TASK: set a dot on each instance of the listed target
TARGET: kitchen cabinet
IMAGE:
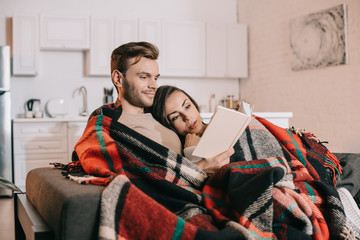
(39, 142)
(64, 32)
(102, 41)
(227, 50)
(107, 33)
(150, 30)
(126, 30)
(280, 119)
(105, 37)
(74, 132)
(187, 48)
(183, 49)
(25, 45)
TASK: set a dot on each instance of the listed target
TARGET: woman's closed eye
(172, 119)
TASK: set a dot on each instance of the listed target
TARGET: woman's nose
(186, 117)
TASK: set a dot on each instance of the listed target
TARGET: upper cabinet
(227, 50)
(237, 49)
(183, 49)
(25, 45)
(102, 43)
(64, 33)
(126, 30)
(187, 48)
(150, 30)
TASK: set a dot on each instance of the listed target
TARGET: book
(222, 132)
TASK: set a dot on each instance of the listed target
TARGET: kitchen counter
(278, 118)
(44, 120)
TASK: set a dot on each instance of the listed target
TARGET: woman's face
(182, 114)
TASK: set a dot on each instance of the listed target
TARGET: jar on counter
(230, 101)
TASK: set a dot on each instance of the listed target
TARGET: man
(134, 72)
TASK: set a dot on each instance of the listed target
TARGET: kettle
(33, 108)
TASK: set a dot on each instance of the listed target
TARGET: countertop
(60, 119)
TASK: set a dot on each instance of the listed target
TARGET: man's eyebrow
(147, 73)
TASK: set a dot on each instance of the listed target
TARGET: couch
(57, 208)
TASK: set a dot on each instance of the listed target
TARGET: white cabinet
(237, 50)
(25, 45)
(280, 119)
(183, 49)
(74, 132)
(64, 32)
(126, 30)
(37, 145)
(105, 37)
(39, 142)
(187, 48)
(102, 44)
(150, 30)
(227, 50)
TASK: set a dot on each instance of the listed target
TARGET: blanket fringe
(331, 160)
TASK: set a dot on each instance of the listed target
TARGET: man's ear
(117, 78)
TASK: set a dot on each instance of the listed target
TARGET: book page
(224, 129)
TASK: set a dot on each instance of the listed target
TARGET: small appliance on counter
(33, 108)
(56, 107)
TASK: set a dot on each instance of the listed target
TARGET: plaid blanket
(286, 191)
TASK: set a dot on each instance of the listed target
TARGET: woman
(177, 110)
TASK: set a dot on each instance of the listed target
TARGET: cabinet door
(24, 163)
(36, 130)
(227, 50)
(64, 33)
(237, 50)
(216, 50)
(126, 30)
(75, 131)
(150, 31)
(183, 48)
(25, 45)
(101, 47)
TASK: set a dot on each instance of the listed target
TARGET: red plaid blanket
(153, 193)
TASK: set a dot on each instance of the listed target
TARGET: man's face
(140, 83)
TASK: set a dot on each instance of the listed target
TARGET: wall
(61, 73)
(324, 101)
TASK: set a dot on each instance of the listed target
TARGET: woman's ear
(117, 78)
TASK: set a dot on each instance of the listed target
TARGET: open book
(224, 129)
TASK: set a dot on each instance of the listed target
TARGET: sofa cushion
(70, 209)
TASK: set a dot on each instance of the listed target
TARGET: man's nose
(153, 83)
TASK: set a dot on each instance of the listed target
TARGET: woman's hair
(120, 57)
(158, 107)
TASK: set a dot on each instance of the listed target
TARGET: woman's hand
(191, 139)
(210, 165)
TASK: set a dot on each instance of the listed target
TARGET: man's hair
(158, 107)
(120, 56)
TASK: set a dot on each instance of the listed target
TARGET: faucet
(84, 110)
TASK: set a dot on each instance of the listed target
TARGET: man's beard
(132, 96)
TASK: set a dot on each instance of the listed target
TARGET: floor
(7, 229)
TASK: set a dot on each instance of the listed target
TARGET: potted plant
(9, 185)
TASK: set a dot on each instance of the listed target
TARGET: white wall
(61, 73)
(325, 101)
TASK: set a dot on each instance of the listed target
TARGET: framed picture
(319, 39)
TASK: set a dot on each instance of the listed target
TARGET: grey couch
(68, 210)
